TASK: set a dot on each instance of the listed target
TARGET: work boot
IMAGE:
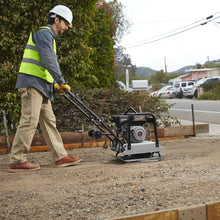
(67, 161)
(26, 166)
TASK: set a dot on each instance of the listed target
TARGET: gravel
(101, 187)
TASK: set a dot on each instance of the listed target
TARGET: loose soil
(101, 187)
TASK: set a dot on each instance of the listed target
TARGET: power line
(217, 24)
(130, 45)
(168, 36)
(177, 31)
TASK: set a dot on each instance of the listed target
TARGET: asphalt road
(204, 111)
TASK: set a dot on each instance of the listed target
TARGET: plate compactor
(129, 138)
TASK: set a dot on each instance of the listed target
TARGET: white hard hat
(63, 12)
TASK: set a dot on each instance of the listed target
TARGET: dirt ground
(101, 187)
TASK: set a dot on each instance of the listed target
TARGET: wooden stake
(193, 120)
(6, 130)
(83, 135)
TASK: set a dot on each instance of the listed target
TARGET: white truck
(186, 89)
(139, 85)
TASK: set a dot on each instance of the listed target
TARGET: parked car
(190, 90)
(121, 85)
(178, 91)
(186, 89)
(206, 80)
(165, 92)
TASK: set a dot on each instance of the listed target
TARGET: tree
(110, 25)
(102, 42)
(172, 76)
(211, 64)
(121, 23)
(198, 66)
(161, 77)
(123, 62)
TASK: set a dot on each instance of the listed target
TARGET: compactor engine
(130, 128)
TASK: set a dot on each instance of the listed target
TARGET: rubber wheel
(196, 94)
(181, 95)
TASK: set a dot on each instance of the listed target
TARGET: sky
(152, 18)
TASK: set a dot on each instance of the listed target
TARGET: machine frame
(132, 152)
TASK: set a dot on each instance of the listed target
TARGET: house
(174, 80)
(197, 74)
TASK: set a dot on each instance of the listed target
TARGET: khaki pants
(35, 108)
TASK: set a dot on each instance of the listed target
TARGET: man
(38, 72)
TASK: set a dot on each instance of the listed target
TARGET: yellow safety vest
(31, 63)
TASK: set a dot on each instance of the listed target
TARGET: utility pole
(165, 65)
(208, 59)
(127, 79)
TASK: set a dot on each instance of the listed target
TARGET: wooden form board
(213, 211)
(195, 213)
(164, 215)
(77, 139)
(209, 211)
(186, 130)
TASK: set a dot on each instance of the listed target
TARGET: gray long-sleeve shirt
(43, 39)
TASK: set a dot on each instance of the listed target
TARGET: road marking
(188, 110)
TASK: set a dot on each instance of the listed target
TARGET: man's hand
(56, 87)
(62, 88)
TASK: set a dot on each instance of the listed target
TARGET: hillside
(145, 72)
(182, 70)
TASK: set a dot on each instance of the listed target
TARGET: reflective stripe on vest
(31, 63)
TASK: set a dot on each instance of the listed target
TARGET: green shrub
(208, 96)
(106, 102)
(209, 86)
(211, 91)
(216, 90)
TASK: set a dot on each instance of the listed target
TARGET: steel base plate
(147, 157)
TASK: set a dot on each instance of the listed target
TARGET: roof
(200, 70)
